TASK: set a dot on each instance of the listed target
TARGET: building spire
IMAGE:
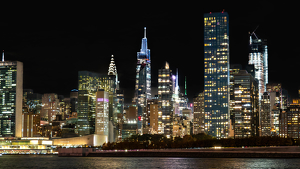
(3, 56)
(112, 70)
(144, 32)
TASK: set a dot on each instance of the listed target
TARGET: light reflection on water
(51, 161)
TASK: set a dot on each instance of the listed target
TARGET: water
(52, 161)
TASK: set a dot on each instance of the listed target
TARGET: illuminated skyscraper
(245, 110)
(143, 81)
(258, 56)
(11, 95)
(199, 113)
(165, 101)
(216, 74)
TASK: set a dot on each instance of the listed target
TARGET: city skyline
(54, 54)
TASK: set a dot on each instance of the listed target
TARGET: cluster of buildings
(236, 101)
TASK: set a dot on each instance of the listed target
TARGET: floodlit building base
(88, 140)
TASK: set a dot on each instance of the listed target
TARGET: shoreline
(257, 152)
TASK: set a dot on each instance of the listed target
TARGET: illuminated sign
(101, 100)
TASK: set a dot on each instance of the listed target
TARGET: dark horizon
(54, 48)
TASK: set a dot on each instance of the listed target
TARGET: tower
(165, 101)
(143, 81)
(11, 94)
(258, 56)
(216, 74)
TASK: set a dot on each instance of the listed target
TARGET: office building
(153, 118)
(216, 74)
(50, 106)
(143, 82)
(165, 101)
(88, 84)
(11, 95)
(289, 126)
(258, 56)
(265, 115)
(246, 107)
(199, 115)
(101, 114)
(31, 123)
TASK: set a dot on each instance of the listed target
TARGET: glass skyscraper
(258, 56)
(143, 81)
(165, 101)
(216, 74)
(88, 84)
(11, 95)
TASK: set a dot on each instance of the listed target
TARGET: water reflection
(38, 161)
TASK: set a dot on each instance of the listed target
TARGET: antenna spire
(144, 32)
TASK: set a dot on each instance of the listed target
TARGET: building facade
(258, 56)
(265, 115)
(246, 107)
(165, 101)
(199, 115)
(50, 106)
(88, 84)
(11, 95)
(143, 81)
(216, 74)
(289, 121)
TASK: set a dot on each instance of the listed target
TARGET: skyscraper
(11, 95)
(143, 81)
(165, 101)
(258, 56)
(88, 84)
(245, 110)
(216, 74)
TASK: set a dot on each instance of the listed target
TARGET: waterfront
(53, 161)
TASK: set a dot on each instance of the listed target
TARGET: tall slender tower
(143, 81)
(216, 74)
(258, 56)
(165, 101)
(11, 94)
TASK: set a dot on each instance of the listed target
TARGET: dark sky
(55, 41)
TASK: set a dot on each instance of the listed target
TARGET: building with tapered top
(165, 101)
(143, 82)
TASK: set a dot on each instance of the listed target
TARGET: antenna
(144, 32)
(254, 32)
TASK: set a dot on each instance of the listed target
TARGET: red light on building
(140, 118)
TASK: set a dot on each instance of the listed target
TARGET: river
(53, 161)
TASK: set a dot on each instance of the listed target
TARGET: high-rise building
(265, 115)
(165, 101)
(143, 82)
(289, 126)
(216, 74)
(153, 117)
(101, 114)
(11, 95)
(258, 56)
(88, 84)
(199, 115)
(50, 106)
(246, 107)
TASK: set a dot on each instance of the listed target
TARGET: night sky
(55, 42)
